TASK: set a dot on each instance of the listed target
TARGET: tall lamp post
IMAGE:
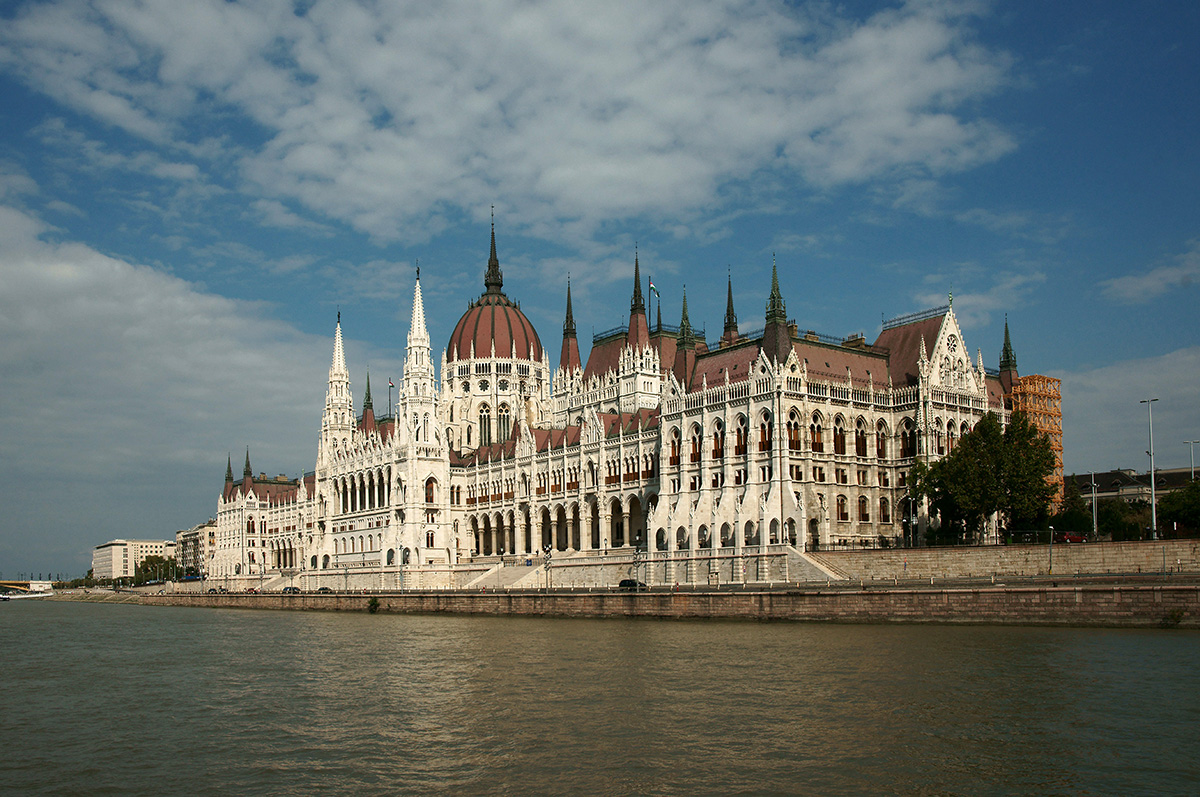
(1191, 447)
(1095, 527)
(1153, 507)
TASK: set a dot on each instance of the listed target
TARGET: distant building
(1128, 484)
(194, 547)
(119, 558)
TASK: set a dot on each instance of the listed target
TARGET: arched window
(949, 436)
(503, 422)
(430, 490)
(815, 435)
(764, 433)
(908, 439)
(843, 513)
(885, 513)
(695, 444)
(485, 426)
(881, 441)
(864, 510)
(839, 437)
(793, 431)
(674, 456)
(740, 436)
(860, 438)
(719, 440)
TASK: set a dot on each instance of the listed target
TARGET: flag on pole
(654, 290)
(390, 383)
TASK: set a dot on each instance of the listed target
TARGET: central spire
(493, 280)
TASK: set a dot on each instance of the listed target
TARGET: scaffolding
(1040, 398)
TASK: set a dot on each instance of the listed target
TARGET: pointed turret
(777, 339)
(419, 389)
(730, 335)
(685, 353)
(569, 358)
(776, 311)
(1008, 363)
(639, 329)
(337, 422)
(229, 469)
(246, 471)
(368, 416)
(637, 304)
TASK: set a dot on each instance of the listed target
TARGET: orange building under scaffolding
(1040, 397)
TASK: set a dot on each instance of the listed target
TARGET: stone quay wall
(1120, 605)
(1096, 558)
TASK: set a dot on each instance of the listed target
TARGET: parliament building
(663, 458)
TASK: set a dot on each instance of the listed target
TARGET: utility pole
(1191, 447)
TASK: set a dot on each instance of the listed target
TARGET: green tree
(991, 470)
(1179, 512)
(1075, 514)
(1026, 461)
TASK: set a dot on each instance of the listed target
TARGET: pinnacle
(776, 310)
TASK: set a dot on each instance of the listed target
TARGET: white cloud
(1184, 272)
(125, 385)
(391, 116)
(1105, 426)
(974, 309)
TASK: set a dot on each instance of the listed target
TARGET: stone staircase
(806, 567)
(503, 577)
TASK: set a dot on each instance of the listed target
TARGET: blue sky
(189, 193)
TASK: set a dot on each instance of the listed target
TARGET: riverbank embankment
(1096, 605)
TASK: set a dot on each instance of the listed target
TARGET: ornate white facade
(694, 463)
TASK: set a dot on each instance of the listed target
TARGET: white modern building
(119, 558)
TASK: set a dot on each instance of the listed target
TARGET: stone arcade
(663, 455)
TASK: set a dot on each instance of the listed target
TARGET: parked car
(1069, 536)
(324, 589)
(291, 590)
(212, 589)
(631, 585)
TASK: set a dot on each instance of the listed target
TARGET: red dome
(494, 319)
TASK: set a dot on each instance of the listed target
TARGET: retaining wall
(1171, 556)
(1085, 605)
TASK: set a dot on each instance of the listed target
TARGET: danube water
(121, 699)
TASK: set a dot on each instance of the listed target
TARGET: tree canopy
(991, 470)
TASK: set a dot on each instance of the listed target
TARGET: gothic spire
(246, 472)
(687, 338)
(229, 468)
(339, 355)
(418, 334)
(493, 280)
(638, 305)
(776, 311)
(1008, 359)
(569, 323)
(730, 316)
(569, 357)
(367, 405)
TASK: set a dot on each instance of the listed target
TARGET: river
(134, 700)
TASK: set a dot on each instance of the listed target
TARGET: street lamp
(1191, 447)
(1153, 508)
(1095, 527)
(1051, 571)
